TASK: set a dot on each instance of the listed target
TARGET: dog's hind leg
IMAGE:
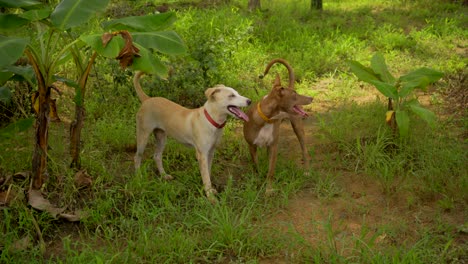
(298, 127)
(142, 140)
(161, 137)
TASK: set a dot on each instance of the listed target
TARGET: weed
(326, 187)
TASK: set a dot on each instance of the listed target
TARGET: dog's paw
(212, 199)
(211, 195)
(211, 191)
(168, 177)
(269, 191)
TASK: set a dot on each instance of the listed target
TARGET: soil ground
(362, 211)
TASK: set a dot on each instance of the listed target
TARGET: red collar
(212, 121)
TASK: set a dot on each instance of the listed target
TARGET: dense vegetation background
(369, 197)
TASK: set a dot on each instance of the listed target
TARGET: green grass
(411, 203)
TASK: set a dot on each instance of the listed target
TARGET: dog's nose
(249, 101)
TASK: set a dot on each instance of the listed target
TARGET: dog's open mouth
(238, 113)
(298, 109)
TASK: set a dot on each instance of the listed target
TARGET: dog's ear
(281, 91)
(210, 93)
(277, 80)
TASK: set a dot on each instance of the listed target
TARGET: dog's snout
(249, 101)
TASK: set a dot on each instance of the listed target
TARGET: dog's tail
(286, 64)
(136, 83)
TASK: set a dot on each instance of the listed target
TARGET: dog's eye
(232, 96)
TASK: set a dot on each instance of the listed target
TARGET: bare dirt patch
(361, 212)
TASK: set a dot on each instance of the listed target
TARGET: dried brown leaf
(128, 52)
(53, 114)
(22, 175)
(106, 37)
(82, 179)
(4, 198)
(38, 202)
(35, 101)
(73, 217)
(53, 111)
(21, 245)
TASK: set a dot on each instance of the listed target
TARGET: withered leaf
(22, 175)
(106, 37)
(128, 52)
(35, 101)
(53, 114)
(11, 196)
(38, 202)
(82, 179)
(73, 217)
(21, 245)
(4, 198)
(53, 111)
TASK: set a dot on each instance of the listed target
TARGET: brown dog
(262, 128)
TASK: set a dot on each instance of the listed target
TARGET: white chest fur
(265, 136)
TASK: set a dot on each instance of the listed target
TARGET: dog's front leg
(210, 158)
(272, 154)
(298, 127)
(253, 155)
(204, 163)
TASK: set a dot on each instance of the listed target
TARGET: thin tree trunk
(254, 5)
(75, 137)
(39, 159)
(77, 125)
(316, 4)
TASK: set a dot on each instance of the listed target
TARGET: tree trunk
(39, 159)
(316, 4)
(75, 136)
(77, 125)
(254, 5)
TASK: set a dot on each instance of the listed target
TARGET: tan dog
(262, 128)
(200, 128)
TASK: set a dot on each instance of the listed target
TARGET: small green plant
(400, 92)
(446, 203)
(326, 187)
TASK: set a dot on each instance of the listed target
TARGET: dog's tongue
(299, 110)
(238, 113)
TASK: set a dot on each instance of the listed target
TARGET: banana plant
(44, 51)
(402, 100)
(132, 41)
(51, 44)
